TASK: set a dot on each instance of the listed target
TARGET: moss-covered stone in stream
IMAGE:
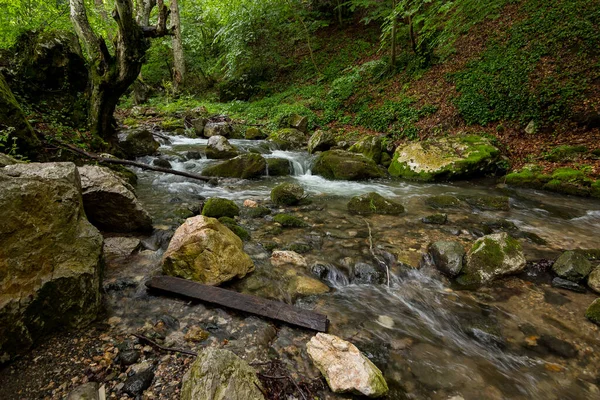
(572, 265)
(562, 180)
(175, 125)
(370, 147)
(289, 139)
(446, 159)
(373, 203)
(488, 203)
(289, 221)
(245, 166)
(278, 166)
(343, 165)
(435, 219)
(593, 312)
(254, 133)
(529, 176)
(287, 194)
(216, 208)
(257, 212)
(235, 228)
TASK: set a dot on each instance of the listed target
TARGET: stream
(431, 340)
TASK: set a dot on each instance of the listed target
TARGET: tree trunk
(411, 32)
(178, 58)
(393, 39)
(111, 75)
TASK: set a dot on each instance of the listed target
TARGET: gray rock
(343, 165)
(435, 219)
(447, 257)
(219, 374)
(139, 381)
(218, 128)
(198, 124)
(6, 160)
(87, 391)
(572, 265)
(294, 121)
(288, 139)
(287, 194)
(278, 167)
(593, 280)
(121, 246)
(567, 284)
(366, 274)
(219, 148)
(321, 141)
(162, 163)
(245, 166)
(370, 147)
(110, 202)
(137, 142)
(51, 255)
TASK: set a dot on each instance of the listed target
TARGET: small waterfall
(301, 161)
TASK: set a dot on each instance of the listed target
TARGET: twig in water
(173, 350)
(380, 261)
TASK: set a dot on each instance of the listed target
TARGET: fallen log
(105, 160)
(242, 302)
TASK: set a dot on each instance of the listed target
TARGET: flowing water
(430, 340)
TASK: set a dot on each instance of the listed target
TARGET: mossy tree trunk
(112, 74)
(178, 56)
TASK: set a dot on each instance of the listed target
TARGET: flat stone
(567, 284)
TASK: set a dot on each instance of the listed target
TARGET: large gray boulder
(50, 255)
(219, 148)
(218, 129)
(219, 374)
(245, 166)
(344, 367)
(572, 265)
(138, 142)
(110, 202)
(321, 141)
(370, 147)
(447, 256)
(289, 139)
(343, 165)
(491, 257)
(204, 250)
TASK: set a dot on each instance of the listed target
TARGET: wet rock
(554, 298)
(299, 247)
(572, 265)
(488, 203)
(138, 142)
(593, 312)
(321, 141)
(295, 121)
(490, 257)
(217, 129)
(245, 166)
(557, 346)
(344, 367)
(435, 219)
(443, 202)
(110, 202)
(162, 163)
(278, 167)
(216, 207)
(288, 139)
(139, 381)
(567, 284)
(258, 212)
(486, 338)
(193, 155)
(343, 165)
(196, 334)
(447, 257)
(364, 273)
(287, 194)
(373, 203)
(50, 255)
(370, 147)
(121, 246)
(234, 227)
(445, 159)
(129, 357)
(204, 250)
(286, 257)
(87, 391)
(219, 374)
(254, 133)
(301, 285)
(289, 221)
(219, 148)
(593, 280)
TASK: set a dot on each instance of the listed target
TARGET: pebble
(385, 321)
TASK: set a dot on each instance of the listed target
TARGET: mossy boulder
(258, 212)
(289, 221)
(50, 255)
(562, 180)
(288, 139)
(204, 250)
(435, 219)
(138, 142)
(245, 166)
(14, 122)
(593, 280)
(287, 194)
(448, 257)
(593, 312)
(321, 141)
(220, 128)
(373, 203)
(175, 125)
(294, 121)
(219, 148)
(235, 228)
(446, 159)
(343, 165)
(566, 153)
(278, 166)
(492, 256)
(254, 133)
(219, 374)
(572, 265)
(488, 203)
(370, 147)
(216, 207)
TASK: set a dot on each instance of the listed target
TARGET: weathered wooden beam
(241, 302)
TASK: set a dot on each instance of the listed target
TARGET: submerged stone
(567, 284)
(343, 165)
(435, 219)
(373, 203)
(445, 159)
(447, 257)
(443, 201)
(488, 203)
(287, 194)
(289, 221)
(572, 265)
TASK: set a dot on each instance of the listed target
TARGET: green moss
(172, 125)
(258, 212)
(373, 203)
(565, 153)
(370, 147)
(289, 221)
(300, 248)
(528, 177)
(436, 219)
(593, 312)
(288, 139)
(245, 166)
(278, 167)
(216, 208)
(254, 134)
(596, 189)
(343, 165)
(287, 194)
(443, 201)
(488, 203)
(235, 228)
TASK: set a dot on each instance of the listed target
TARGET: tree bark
(393, 39)
(111, 75)
(179, 71)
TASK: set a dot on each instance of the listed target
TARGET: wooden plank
(241, 302)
